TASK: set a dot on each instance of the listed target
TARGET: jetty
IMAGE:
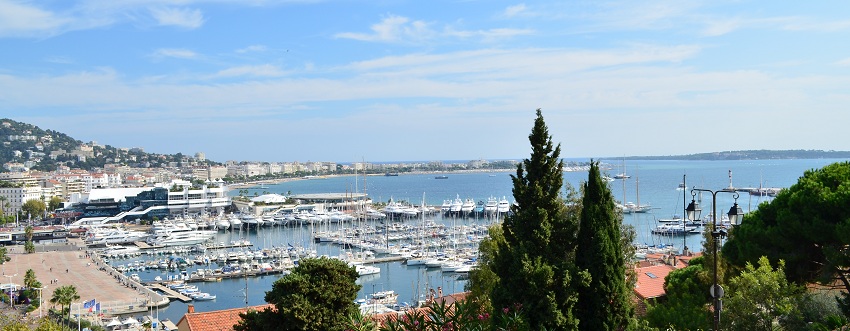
(171, 294)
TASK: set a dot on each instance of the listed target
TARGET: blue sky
(429, 80)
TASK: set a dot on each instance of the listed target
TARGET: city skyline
(449, 80)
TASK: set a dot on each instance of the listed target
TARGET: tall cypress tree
(534, 262)
(604, 304)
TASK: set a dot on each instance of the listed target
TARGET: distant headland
(749, 155)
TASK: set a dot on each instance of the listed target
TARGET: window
(651, 275)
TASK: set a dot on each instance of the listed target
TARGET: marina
(416, 246)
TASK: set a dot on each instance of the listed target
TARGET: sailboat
(638, 208)
(623, 174)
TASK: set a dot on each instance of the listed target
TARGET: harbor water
(655, 183)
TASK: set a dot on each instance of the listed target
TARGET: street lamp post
(40, 300)
(11, 290)
(735, 214)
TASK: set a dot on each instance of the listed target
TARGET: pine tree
(604, 304)
(534, 262)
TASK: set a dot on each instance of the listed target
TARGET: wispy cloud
(843, 62)
(24, 20)
(252, 49)
(58, 59)
(716, 28)
(265, 70)
(182, 17)
(514, 10)
(393, 29)
(179, 53)
(489, 35)
(399, 29)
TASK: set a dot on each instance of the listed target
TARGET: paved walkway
(57, 268)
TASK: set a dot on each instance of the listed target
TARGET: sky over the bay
(347, 81)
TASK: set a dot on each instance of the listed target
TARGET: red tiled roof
(217, 320)
(650, 280)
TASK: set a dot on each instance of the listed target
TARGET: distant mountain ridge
(30, 147)
(762, 154)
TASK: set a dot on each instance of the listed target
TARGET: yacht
(222, 224)
(447, 206)
(491, 206)
(504, 206)
(182, 238)
(251, 221)
(364, 270)
(457, 204)
(114, 236)
(467, 207)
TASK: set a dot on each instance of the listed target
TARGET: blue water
(658, 182)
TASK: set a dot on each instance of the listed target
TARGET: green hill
(26, 145)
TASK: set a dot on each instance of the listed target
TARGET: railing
(154, 298)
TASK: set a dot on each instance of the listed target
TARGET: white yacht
(182, 238)
(222, 224)
(447, 206)
(504, 206)
(468, 206)
(491, 206)
(114, 236)
(457, 204)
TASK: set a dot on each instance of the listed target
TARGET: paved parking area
(70, 267)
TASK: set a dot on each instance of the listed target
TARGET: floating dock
(171, 294)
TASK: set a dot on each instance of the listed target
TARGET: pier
(392, 258)
(171, 294)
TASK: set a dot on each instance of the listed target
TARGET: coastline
(255, 183)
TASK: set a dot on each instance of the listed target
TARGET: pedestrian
(66, 271)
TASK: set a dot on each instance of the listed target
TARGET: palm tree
(3, 205)
(64, 296)
(30, 280)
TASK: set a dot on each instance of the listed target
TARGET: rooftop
(216, 320)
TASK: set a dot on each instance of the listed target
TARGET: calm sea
(652, 182)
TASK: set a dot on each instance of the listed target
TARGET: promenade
(68, 264)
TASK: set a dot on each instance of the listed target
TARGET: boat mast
(684, 216)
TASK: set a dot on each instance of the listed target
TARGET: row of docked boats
(191, 291)
(469, 207)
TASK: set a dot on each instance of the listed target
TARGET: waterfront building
(178, 197)
(40, 235)
(17, 196)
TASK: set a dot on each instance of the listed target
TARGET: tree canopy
(759, 298)
(806, 225)
(64, 296)
(534, 262)
(317, 295)
(34, 208)
(604, 303)
(686, 300)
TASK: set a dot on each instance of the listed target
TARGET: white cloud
(59, 59)
(182, 17)
(404, 30)
(252, 49)
(174, 53)
(265, 70)
(393, 29)
(716, 28)
(489, 35)
(23, 20)
(843, 62)
(515, 10)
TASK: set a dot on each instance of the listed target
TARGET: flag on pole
(97, 306)
(89, 304)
